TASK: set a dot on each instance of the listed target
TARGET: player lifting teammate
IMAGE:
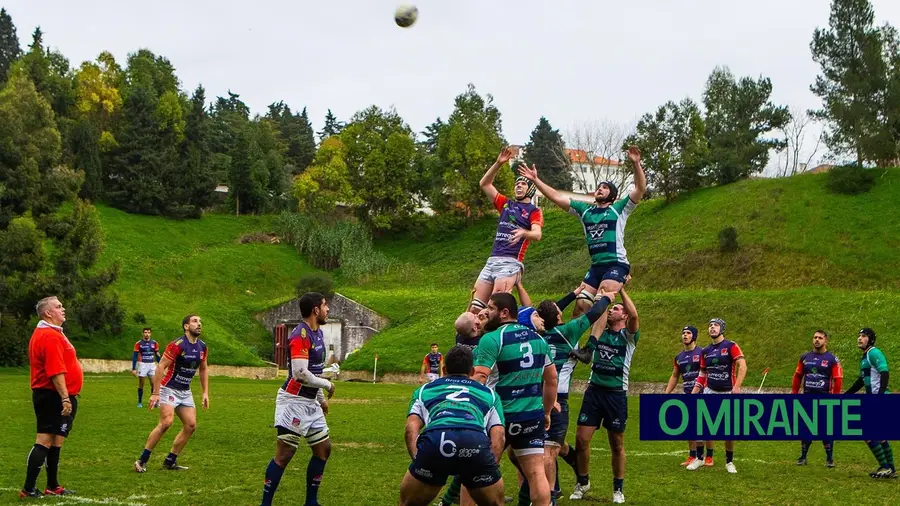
(604, 228)
(300, 406)
(147, 350)
(463, 436)
(171, 392)
(520, 223)
(527, 383)
(874, 376)
(687, 366)
(818, 372)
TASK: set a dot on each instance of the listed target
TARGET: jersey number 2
(528, 359)
(455, 396)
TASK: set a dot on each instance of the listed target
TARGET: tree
(326, 183)
(797, 157)
(52, 77)
(9, 44)
(594, 150)
(546, 149)
(194, 184)
(332, 126)
(738, 113)
(466, 146)
(272, 150)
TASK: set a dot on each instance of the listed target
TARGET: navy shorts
(559, 423)
(526, 437)
(455, 452)
(604, 408)
(615, 271)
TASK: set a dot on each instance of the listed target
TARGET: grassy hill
(808, 259)
(172, 268)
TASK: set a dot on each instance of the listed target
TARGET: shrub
(139, 318)
(13, 342)
(849, 180)
(316, 282)
(728, 240)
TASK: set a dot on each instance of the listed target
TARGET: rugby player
(722, 371)
(147, 350)
(432, 365)
(604, 228)
(818, 372)
(520, 223)
(687, 367)
(184, 357)
(454, 427)
(300, 405)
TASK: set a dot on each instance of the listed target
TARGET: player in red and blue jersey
(432, 365)
(520, 223)
(687, 367)
(722, 371)
(184, 357)
(147, 351)
(300, 405)
(818, 372)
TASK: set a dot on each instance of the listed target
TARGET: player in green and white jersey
(874, 376)
(526, 384)
(604, 229)
(454, 427)
(605, 402)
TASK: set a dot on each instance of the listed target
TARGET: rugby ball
(406, 15)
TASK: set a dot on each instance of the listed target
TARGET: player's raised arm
(640, 178)
(487, 181)
(544, 188)
(633, 322)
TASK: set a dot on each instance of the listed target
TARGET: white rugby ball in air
(406, 15)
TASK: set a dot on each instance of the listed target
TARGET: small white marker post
(765, 373)
(375, 370)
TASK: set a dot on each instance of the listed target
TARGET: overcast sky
(571, 61)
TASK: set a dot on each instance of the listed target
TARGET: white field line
(670, 454)
(128, 501)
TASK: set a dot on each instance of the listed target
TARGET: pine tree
(332, 126)
(546, 149)
(302, 149)
(9, 44)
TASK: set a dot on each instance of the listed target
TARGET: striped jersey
(305, 343)
(611, 359)
(186, 358)
(719, 362)
(561, 340)
(688, 364)
(514, 215)
(604, 229)
(456, 402)
(872, 364)
(147, 349)
(519, 355)
(821, 373)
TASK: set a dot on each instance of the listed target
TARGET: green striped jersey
(611, 359)
(604, 229)
(872, 364)
(562, 339)
(456, 402)
(519, 356)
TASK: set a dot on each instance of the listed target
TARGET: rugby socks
(35, 461)
(140, 395)
(878, 452)
(829, 449)
(569, 458)
(584, 480)
(888, 455)
(804, 448)
(729, 456)
(693, 454)
(53, 467)
(618, 483)
(524, 494)
(170, 459)
(451, 496)
(313, 479)
(273, 478)
(145, 456)
(709, 452)
(556, 491)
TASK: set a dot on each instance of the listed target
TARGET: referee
(56, 379)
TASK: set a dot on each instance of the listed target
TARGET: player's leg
(491, 495)
(140, 389)
(188, 416)
(532, 466)
(615, 407)
(166, 417)
(804, 449)
(52, 462)
(829, 452)
(452, 494)
(729, 457)
(483, 290)
(585, 299)
(617, 449)
(315, 430)
(417, 493)
(551, 451)
(285, 447)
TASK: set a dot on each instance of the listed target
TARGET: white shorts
(176, 398)
(302, 417)
(430, 376)
(144, 370)
(500, 267)
(707, 390)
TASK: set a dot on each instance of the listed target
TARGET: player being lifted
(300, 405)
(718, 376)
(520, 223)
(874, 376)
(526, 384)
(687, 367)
(604, 228)
(462, 437)
(818, 372)
(432, 365)
(147, 350)
(171, 392)
(605, 399)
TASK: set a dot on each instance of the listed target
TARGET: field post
(375, 370)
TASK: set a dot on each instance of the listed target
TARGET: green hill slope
(808, 259)
(172, 268)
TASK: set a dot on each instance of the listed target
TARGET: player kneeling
(463, 436)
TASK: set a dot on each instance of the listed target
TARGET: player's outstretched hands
(517, 235)
(528, 172)
(581, 354)
(205, 401)
(331, 390)
(506, 155)
(634, 154)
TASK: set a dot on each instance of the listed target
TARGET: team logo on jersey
(295, 421)
(724, 351)
(303, 332)
(824, 363)
(687, 368)
(715, 361)
(696, 358)
(582, 417)
(814, 370)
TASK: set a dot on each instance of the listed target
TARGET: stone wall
(92, 365)
(358, 323)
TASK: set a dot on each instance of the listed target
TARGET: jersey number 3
(528, 357)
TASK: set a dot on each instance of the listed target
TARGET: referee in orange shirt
(56, 379)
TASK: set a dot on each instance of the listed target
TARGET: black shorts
(597, 273)
(454, 452)
(559, 423)
(526, 437)
(604, 408)
(48, 410)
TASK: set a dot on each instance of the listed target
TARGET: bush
(316, 282)
(849, 180)
(728, 240)
(139, 318)
(13, 342)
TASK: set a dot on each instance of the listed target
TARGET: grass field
(234, 442)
